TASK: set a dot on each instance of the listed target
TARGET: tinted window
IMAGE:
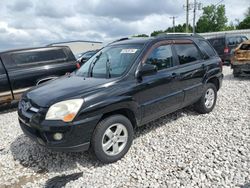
(38, 56)
(245, 47)
(161, 57)
(208, 49)
(234, 40)
(187, 53)
(217, 42)
(244, 38)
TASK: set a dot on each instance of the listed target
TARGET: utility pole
(197, 6)
(187, 14)
(194, 16)
(173, 17)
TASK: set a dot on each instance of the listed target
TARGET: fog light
(58, 136)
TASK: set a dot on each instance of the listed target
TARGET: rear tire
(208, 99)
(236, 73)
(112, 138)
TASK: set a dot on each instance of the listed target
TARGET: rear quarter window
(207, 48)
(22, 58)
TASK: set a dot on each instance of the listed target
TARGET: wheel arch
(215, 81)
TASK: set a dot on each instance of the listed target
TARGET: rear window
(208, 49)
(38, 56)
(245, 47)
(244, 38)
(234, 40)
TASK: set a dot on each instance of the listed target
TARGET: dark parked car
(24, 68)
(225, 44)
(125, 85)
(86, 56)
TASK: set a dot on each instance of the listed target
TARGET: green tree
(213, 19)
(140, 35)
(155, 33)
(245, 24)
(179, 28)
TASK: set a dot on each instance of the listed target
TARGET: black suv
(125, 85)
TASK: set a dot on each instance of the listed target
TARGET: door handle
(203, 66)
(174, 75)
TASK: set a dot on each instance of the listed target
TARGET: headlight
(65, 110)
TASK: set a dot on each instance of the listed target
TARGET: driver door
(162, 92)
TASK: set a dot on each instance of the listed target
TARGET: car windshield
(110, 62)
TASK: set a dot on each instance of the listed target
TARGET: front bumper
(241, 69)
(76, 135)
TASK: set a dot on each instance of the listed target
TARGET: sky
(28, 23)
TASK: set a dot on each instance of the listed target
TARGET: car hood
(64, 88)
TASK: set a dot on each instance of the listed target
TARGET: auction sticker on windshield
(128, 51)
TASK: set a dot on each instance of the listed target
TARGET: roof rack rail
(177, 34)
(118, 40)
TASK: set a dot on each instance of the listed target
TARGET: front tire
(208, 100)
(112, 138)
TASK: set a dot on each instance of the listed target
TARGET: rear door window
(22, 58)
(187, 53)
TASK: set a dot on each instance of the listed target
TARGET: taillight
(226, 50)
(78, 65)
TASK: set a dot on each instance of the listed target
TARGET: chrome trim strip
(4, 94)
(18, 91)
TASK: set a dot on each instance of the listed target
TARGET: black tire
(200, 106)
(236, 73)
(98, 136)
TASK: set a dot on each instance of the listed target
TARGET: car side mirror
(146, 70)
(83, 60)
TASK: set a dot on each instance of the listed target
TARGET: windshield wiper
(93, 64)
(108, 68)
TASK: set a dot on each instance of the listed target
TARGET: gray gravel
(183, 149)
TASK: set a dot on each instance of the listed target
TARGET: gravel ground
(183, 149)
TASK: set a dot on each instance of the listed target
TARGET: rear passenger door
(191, 70)
(160, 93)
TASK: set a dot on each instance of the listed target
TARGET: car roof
(225, 36)
(144, 40)
(32, 49)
